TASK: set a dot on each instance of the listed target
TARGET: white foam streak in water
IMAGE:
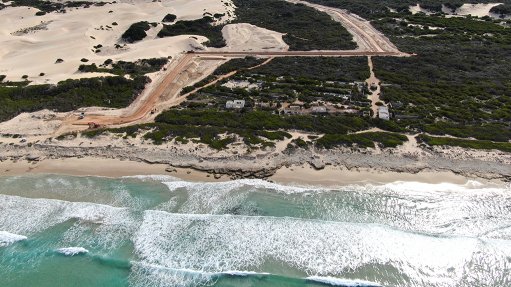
(72, 251)
(218, 243)
(149, 275)
(209, 197)
(7, 238)
(153, 177)
(398, 186)
(144, 274)
(467, 209)
(342, 282)
(243, 273)
(28, 216)
(235, 184)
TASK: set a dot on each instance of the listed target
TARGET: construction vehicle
(93, 125)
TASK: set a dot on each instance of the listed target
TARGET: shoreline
(115, 156)
(296, 175)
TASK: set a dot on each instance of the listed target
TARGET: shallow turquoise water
(162, 231)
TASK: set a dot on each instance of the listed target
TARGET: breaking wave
(404, 233)
(215, 243)
(72, 251)
(7, 238)
(342, 282)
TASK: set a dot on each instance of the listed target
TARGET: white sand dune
(32, 44)
(417, 8)
(479, 10)
(247, 37)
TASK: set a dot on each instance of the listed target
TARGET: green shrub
(136, 32)
(474, 144)
(203, 27)
(386, 140)
(169, 18)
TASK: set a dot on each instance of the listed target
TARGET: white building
(383, 113)
(236, 104)
(319, 110)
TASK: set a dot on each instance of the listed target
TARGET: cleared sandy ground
(479, 10)
(248, 37)
(32, 44)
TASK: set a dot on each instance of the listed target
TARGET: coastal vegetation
(115, 92)
(304, 27)
(372, 9)
(458, 83)
(169, 18)
(203, 27)
(121, 68)
(503, 10)
(465, 143)
(136, 32)
(368, 140)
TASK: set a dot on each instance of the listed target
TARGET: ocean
(151, 231)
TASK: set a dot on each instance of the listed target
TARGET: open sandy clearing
(478, 10)
(32, 44)
(248, 37)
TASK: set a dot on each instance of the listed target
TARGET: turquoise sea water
(161, 231)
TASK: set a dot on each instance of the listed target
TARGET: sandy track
(364, 34)
(141, 107)
(166, 91)
(345, 53)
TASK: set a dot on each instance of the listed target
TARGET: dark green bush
(136, 32)
(169, 18)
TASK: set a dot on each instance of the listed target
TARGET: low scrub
(474, 144)
(368, 140)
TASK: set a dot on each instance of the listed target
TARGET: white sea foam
(72, 251)
(211, 243)
(235, 184)
(153, 177)
(243, 273)
(397, 186)
(342, 282)
(415, 187)
(151, 275)
(144, 274)
(28, 216)
(441, 209)
(7, 238)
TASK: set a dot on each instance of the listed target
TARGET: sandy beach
(300, 175)
(89, 166)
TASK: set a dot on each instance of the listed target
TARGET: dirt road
(364, 34)
(348, 53)
(143, 105)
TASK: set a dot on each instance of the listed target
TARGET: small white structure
(318, 110)
(383, 113)
(236, 104)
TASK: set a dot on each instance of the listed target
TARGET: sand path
(364, 34)
(374, 86)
